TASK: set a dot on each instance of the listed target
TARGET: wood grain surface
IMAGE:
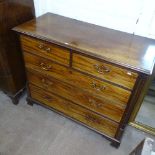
(77, 79)
(104, 70)
(77, 112)
(51, 51)
(107, 108)
(121, 48)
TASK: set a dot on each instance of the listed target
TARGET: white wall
(116, 14)
(146, 25)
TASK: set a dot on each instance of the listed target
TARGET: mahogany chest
(88, 73)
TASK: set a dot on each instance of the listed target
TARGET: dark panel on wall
(12, 74)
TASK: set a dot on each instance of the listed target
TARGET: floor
(26, 130)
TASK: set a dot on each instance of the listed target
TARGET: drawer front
(77, 112)
(105, 71)
(92, 85)
(102, 106)
(47, 50)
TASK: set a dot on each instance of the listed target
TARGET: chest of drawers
(88, 73)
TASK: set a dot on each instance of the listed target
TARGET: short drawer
(48, 50)
(105, 71)
(77, 79)
(102, 106)
(79, 113)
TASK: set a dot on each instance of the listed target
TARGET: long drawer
(48, 50)
(77, 79)
(102, 106)
(105, 71)
(77, 112)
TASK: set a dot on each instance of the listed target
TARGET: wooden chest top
(127, 50)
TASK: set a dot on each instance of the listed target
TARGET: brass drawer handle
(93, 103)
(41, 46)
(48, 49)
(97, 87)
(92, 119)
(101, 68)
(44, 48)
(45, 67)
(46, 83)
(50, 99)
